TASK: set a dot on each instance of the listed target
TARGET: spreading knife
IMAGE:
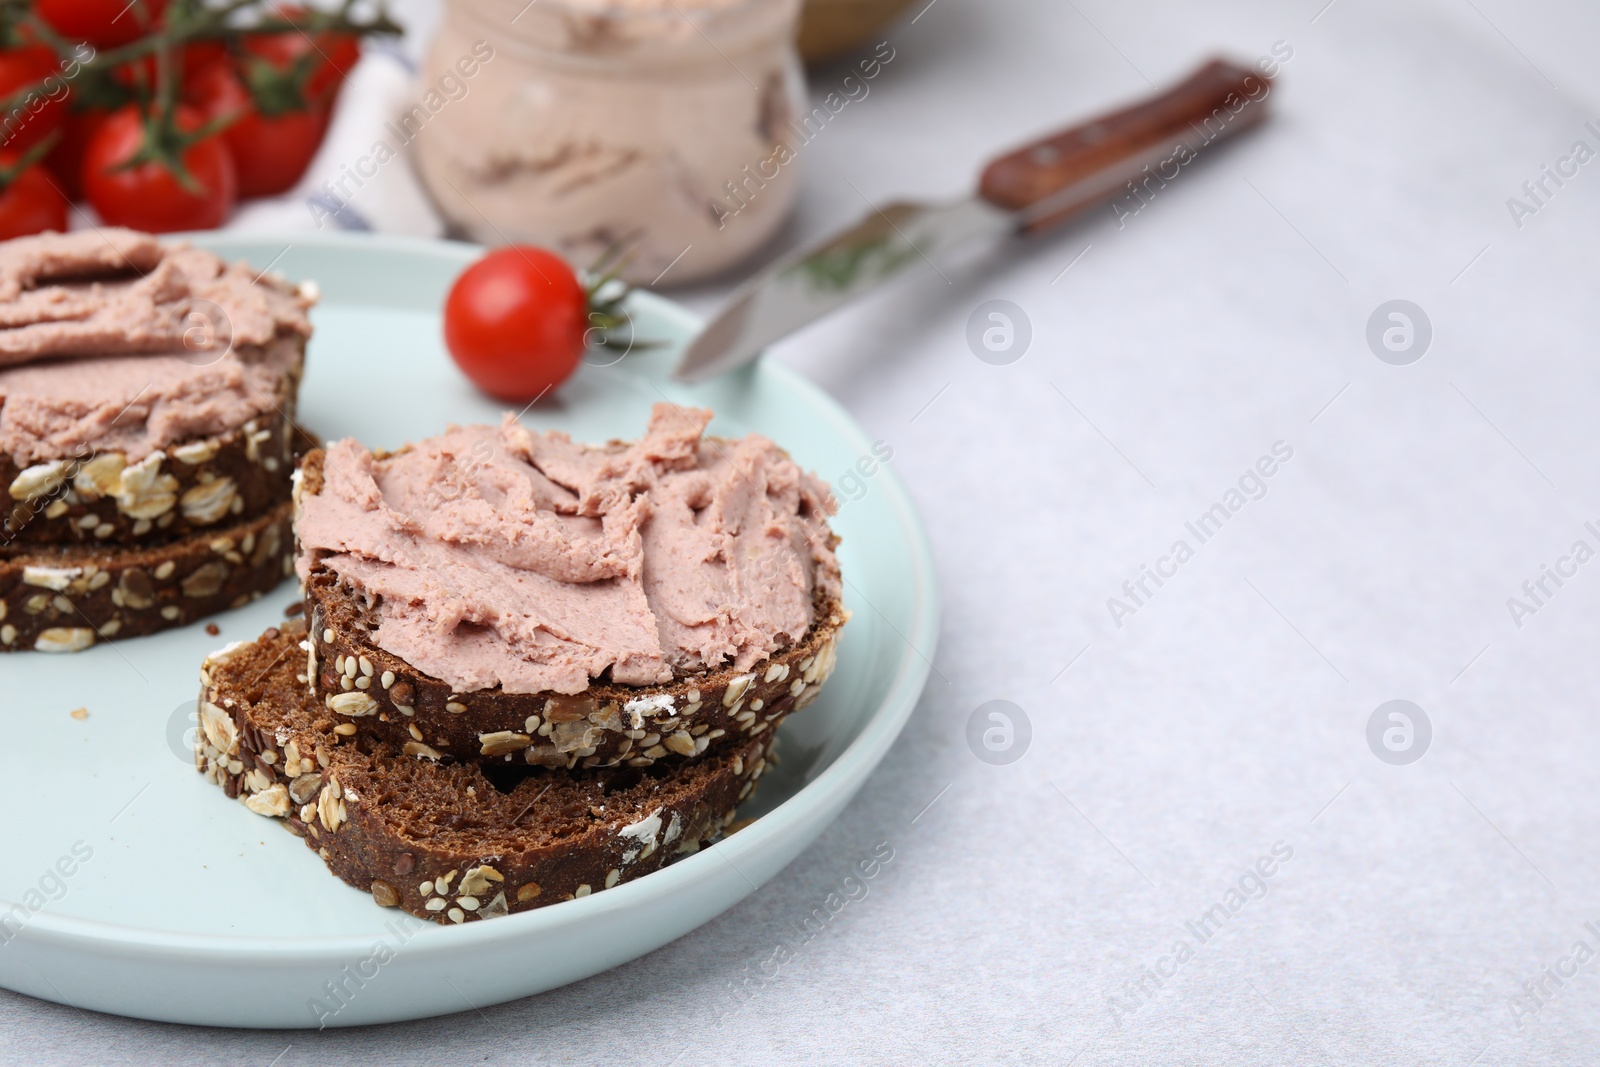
(1124, 157)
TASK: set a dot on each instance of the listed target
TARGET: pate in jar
(665, 127)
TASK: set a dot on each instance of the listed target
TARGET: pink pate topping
(120, 292)
(111, 340)
(500, 557)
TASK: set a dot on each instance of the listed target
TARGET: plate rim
(837, 783)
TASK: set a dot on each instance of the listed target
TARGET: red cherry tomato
(103, 23)
(337, 53)
(31, 203)
(65, 160)
(215, 91)
(149, 196)
(39, 114)
(514, 322)
(270, 152)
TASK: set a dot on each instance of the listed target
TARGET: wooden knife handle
(1056, 177)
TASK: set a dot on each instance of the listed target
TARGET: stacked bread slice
(147, 436)
(528, 670)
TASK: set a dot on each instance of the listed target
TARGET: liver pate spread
(500, 557)
(112, 340)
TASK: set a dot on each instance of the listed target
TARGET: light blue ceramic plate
(177, 904)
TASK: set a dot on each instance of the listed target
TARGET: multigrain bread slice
(454, 842)
(606, 725)
(65, 599)
(198, 485)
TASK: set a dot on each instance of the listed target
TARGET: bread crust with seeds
(607, 725)
(65, 599)
(401, 828)
(192, 486)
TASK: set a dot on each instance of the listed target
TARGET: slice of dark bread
(446, 842)
(605, 725)
(65, 599)
(199, 485)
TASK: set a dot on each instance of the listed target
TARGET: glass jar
(664, 126)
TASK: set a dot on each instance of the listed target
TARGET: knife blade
(1026, 191)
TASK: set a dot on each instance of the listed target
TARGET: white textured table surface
(1226, 717)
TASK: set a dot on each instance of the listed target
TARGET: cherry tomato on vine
(515, 322)
(270, 152)
(65, 160)
(38, 114)
(103, 23)
(150, 195)
(330, 54)
(215, 90)
(140, 74)
(29, 200)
